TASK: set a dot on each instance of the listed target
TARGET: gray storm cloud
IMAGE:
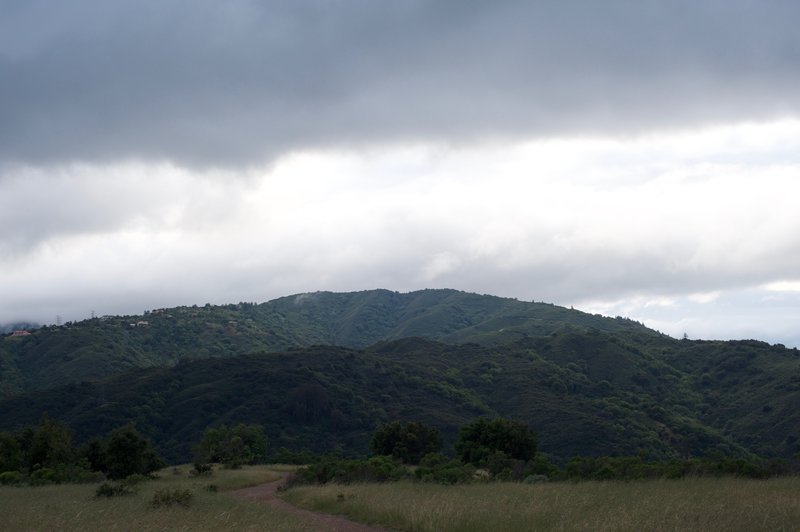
(241, 82)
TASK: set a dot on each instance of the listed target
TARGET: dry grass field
(690, 504)
(75, 507)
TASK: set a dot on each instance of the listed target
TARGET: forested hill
(584, 392)
(100, 347)
(323, 370)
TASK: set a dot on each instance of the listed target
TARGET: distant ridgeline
(322, 370)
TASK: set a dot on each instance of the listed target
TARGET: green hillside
(97, 348)
(584, 392)
(588, 384)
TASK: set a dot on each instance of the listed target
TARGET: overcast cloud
(635, 158)
(229, 83)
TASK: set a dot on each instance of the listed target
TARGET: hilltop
(97, 348)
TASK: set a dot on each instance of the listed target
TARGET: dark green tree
(408, 442)
(94, 452)
(10, 453)
(482, 439)
(127, 452)
(232, 446)
(48, 445)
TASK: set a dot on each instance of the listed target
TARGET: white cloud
(647, 223)
(783, 286)
(750, 313)
(704, 297)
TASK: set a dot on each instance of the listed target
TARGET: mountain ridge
(584, 392)
(588, 384)
(96, 348)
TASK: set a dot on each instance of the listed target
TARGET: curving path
(266, 494)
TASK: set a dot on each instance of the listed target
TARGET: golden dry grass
(658, 505)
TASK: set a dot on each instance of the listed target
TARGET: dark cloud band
(239, 82)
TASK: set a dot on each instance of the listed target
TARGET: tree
(232, 446)
(481, 439)
(48, 445)
(10, 453)
(408, 442)
(93, 451)
(127, 452)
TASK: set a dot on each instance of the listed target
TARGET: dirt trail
(266, 494)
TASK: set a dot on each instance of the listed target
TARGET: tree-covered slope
(584, 392)
(96, 348)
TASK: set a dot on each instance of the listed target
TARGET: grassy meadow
(689, 504)
(75, 507)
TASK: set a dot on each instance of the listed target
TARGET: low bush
(42, 476)
(10, 478)
(168, 497)
(201, 470)
(285, 456)
(344, 471)
(133, 480)
(437, 468)
(113, 490)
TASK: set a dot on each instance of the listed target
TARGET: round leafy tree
(408, 442)
(127, 452)
(482, 438)
(233, 446)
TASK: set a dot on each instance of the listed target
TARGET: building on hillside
(21, 333)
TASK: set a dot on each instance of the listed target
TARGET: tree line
(486, 449)
(506, 450)
(46, 454)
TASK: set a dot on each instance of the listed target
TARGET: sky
(634, 158)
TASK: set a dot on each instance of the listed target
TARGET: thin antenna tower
(58, 320)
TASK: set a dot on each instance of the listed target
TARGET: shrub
(133, 480)
(128, 453)
(285, 456)
(113, 490)
(449, 472)
(433, 460)
(335, 469)
(167, 497)
(42, 476)
(84, 476)
(10, 478)
(481, 439)
(201, 470)
(408, 442)
(232, 446)
(541, 466)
